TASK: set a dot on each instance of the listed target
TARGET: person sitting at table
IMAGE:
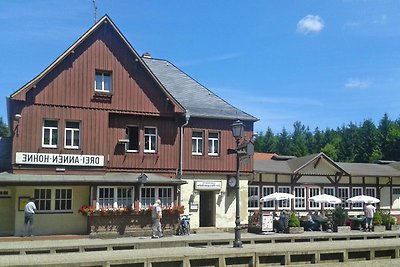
(311, 224)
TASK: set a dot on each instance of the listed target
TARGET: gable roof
(186, 93)
(104, 20)
(194, 97)
(294, 165)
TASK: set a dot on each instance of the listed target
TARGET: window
(103, 82)
(72, 135)
(343, 194)
(267, 190)
(63, 199)
(50, 133)
(356, 191)
(213, 144)
(150, 139)
(329, 191)
(253, 197)
(150, 194)
(197, 143)
(5, 193)
(370, 191)
(114, 197)
(132, 134)
(314, 191)
(284, 204)
(53, 199)
(43, 199)
(396, 190)
(300, 198)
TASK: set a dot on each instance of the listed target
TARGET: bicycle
(184, 225)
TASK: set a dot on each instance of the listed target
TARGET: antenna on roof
(95, 11)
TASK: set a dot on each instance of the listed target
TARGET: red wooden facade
(65, 92)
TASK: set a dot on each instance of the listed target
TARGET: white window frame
(300, 198)
(314, 191)
(51, 130)
(344, 198)
(50, 200)
(267, 190)
(72, 132)
(113, 201)
(197, 143)
(128, 134)
(356, 191)
(329, 190)
(150, 140)
(213, 144)
(102, 75)
(149, 194)
(5, 193)
(395, 190)
(253, 197)
(370, 189)
(284, 204)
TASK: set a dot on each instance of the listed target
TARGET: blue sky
(324, 63)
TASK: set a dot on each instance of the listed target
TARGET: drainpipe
(187, 117)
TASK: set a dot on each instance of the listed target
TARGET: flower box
(128, 222)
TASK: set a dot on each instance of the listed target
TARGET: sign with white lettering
(59, 159)
(207, 185)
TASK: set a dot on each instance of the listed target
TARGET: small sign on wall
(193, 206)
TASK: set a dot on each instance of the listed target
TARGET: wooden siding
(67, 93)
(71, 83)
(223, 162)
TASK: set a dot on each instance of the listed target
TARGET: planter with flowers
(127, 221)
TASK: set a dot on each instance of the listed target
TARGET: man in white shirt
(156, 215)
(30, 209)
(369, 211)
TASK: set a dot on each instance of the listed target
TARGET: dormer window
(103, 82)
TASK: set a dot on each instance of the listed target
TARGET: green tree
(299, 143)
(270, 141)
(4, 130)
(368, 149)
(283, 147)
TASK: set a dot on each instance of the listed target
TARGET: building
(105, 127)
(317, 174)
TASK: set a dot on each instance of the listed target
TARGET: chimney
(146, 55)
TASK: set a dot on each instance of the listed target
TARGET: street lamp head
(237, 129)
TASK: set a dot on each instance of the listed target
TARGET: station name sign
(207, 185)
(59, 159)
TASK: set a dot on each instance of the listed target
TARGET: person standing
(156, 215)
(369, 211)
(30, 209)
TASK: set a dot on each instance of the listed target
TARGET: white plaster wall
(225, 201)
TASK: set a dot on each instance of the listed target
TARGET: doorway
(207, 209)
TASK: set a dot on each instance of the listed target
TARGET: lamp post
(237, 132)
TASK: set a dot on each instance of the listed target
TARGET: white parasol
(363, 199)
(276, 197)
(325, 198)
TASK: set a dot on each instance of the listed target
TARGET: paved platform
(210, 249)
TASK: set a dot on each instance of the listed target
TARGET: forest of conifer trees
(364, 142)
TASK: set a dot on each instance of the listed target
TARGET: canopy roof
(108, 178)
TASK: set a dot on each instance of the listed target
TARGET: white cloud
(357, 83)
(310, 24)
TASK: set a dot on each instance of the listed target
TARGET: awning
(108, 178)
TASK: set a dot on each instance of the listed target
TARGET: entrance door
(207, 209)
